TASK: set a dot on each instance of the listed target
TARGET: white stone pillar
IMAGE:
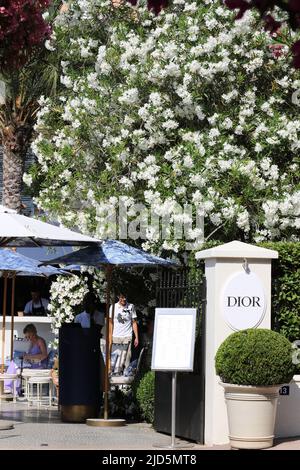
(238, 278)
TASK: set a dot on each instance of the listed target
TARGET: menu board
(174, 339)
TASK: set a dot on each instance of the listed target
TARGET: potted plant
(253, 365)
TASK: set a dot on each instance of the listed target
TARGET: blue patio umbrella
(111, 252)
(14, 264)
(108, 254)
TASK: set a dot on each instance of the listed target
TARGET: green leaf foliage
(286, 288)
(255, 357)
(145, 396)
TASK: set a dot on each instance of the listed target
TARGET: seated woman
(36, 357)
(37, 353)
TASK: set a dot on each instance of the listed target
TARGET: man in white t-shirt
(122, 322)
(37, 306)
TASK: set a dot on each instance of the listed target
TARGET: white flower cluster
(187, 107)
(66, 293)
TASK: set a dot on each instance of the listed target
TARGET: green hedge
(286, 288)
(145, 396)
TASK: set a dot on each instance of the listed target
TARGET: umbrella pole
(13, 288)
(107, 340)
(3, 321)
(105, 421)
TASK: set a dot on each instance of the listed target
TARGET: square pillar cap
(236, 249)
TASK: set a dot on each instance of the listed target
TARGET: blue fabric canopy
(111, 252)
(20, 264)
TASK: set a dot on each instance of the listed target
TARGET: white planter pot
(251, 415)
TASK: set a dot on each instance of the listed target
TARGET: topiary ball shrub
(145, 396)
(255, 357)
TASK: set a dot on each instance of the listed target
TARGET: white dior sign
(243, 302)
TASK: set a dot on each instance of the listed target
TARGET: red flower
(276, 50)
(22, 28)
(241, 5)
(294, 6)
(157, 5)
(271, 25)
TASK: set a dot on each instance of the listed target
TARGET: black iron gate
(183, 288)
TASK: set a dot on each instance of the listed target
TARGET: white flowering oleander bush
(187, 107)
(66, 296)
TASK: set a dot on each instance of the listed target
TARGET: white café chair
(37, 378)
(13, 378)
(39, 398)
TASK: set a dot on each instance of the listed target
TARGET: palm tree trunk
(15, 141)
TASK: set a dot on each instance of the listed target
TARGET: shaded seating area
(27, 382)
(36, 384)
(17, 230)
(108, 255)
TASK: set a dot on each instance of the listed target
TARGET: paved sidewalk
(42, 429)
(292, 443)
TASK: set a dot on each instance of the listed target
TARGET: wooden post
(3, 321)
(13, 288)
(107, 339)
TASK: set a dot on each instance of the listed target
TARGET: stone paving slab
(42, 430)
(292, 443)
